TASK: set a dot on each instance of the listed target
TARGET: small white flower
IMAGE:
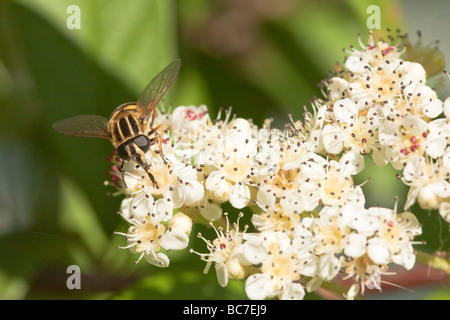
(439, 132)
(333, 178)
(377, 83)
(350, 130)
(427, 101)
(189, 118)
(413, 75)
(364, 221)
(393, 240)
(428, 182)
(230, 179)
(282, 215)
(226, 253)
(139, 205)
(371, 55)
(280, 267)
(404, 140)
(337, 87)
(330, 229)
(282, 172)
(149, 233)
(365, 272)
(176, 181)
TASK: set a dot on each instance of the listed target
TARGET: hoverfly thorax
(128, 127)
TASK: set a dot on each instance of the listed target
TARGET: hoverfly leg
(138, 156)
(155, 184)
(160, 147)
(154, 130)
(153, 118)
(160, 140)
(118, 163)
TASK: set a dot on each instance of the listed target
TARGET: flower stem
(434, 260)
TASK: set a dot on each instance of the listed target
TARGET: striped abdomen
(126, 128)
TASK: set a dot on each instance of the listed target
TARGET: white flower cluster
(309, 221)
(381, 104)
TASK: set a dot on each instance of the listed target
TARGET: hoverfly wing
(84, 126)
(157, 87)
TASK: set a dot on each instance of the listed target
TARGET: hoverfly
(130, 126)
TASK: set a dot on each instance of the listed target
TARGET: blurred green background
(264, 58)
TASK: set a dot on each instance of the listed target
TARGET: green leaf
(78, 216)
(132, 39)
(438, 294)
(181, 284)
(12, 288)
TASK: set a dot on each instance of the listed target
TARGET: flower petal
(355, 246)
(239, 195)
(254, 250)
(355, 64)
(258, 286)
(433, 108)
(210, 211)
(345, 111)
(295, 291)
(175, 239)
(157, 259)
(222, 274)
(333, 138)
(328, 266)
(378, 252)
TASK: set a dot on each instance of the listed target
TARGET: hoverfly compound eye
(122, 152)
(142, 142)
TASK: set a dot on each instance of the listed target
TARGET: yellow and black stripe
(127, 127)
(125, 124)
